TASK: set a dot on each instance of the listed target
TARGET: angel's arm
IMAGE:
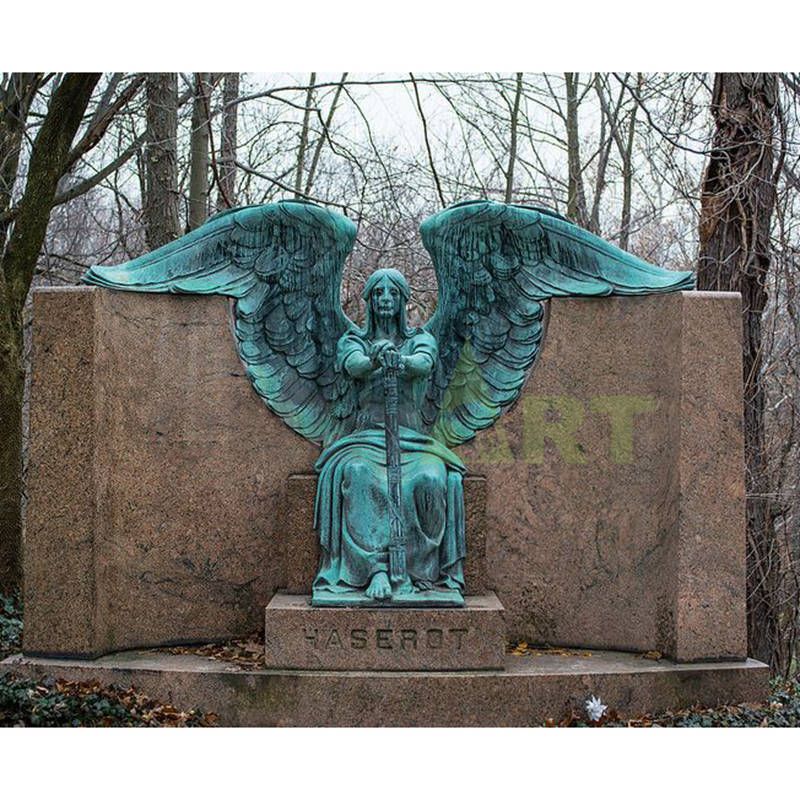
(357, 365)
(352, 357)
(421, 361)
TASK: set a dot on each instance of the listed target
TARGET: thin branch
(298, 178)
(512, 150)
(387, 82)
(89, 183)
(287, 188)
(326, 126)
(101, 122)
(427, 141)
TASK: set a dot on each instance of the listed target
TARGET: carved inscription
(385, 638)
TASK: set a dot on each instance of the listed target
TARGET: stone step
(527, 692)
(299, 636)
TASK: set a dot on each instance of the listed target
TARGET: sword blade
(397, 542)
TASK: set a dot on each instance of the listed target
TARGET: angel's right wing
(496, 265)
(283, 264)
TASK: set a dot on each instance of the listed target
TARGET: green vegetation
(10, 624)
(54, 703)
(782, 710)
(51, 703)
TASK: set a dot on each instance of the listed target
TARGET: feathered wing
(495, 265)
(283, 265)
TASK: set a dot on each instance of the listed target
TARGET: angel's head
(386, 293)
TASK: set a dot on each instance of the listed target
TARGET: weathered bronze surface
(388, 401)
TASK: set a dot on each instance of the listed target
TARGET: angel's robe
(352, 514)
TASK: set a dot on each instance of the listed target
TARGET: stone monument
(603, 510)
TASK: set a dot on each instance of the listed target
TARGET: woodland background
(687, 170)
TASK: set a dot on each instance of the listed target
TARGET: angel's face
(385, 299)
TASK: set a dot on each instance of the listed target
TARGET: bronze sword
(397, 538)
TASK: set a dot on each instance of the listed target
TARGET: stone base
(529, 690)
(301, 636)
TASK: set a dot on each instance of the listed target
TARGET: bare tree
(512, 146)
(226, 189)
(198, 170)
(304, 132)
(160, 201)
(737, 203)
(16, 95)
(325, 135)
(576, 199)
(427, 140)
(49, 159)
(626, 154)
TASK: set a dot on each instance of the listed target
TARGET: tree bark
(160, 206)
(198, 171)
(15, 100)
(48, 162)
(11, 386)
(736, 209)
(576, 197)
(627, 173)
(226, 195)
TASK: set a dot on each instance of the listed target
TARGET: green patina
(386, 401)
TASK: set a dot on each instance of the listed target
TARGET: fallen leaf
(653, 655)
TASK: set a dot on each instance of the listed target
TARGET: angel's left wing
(282, 262)
(495, 265)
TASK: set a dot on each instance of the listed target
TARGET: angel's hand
(377, 349)
(391, 359)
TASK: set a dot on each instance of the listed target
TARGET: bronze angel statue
(388, 401)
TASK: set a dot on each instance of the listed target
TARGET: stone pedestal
(299, 636)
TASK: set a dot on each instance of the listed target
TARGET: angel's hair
(402, 286)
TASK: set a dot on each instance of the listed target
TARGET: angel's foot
(379, 587)
(423, 586)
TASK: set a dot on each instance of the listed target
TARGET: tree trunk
(47, 164)
(15, 99)
(160, 206)
(627, 173)
(198, 172)
(11, 385)
(226, 196)
(736, 209)
(576, 197)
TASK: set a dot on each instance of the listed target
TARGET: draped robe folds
(352, 515)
